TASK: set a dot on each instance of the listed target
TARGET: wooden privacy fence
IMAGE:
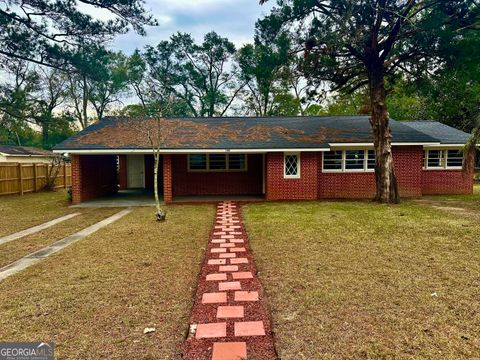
(18, 178)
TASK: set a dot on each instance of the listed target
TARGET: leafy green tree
(137, 76)
(109, 82)
(357, 43)
(347, 104)
(171, 108)
(453, 90)
(49, 32)
(293, 80)
(32, 97)
(90, 65)
(61, 128)
(285, 104)
(260, 69)
(49, 96)
(199, 74)
(450, 93)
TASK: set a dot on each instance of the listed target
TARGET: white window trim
(344, 168)
(299, 165)
(445, 155)
(217, 170)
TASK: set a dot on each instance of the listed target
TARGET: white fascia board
(27, 155)
(444, 146)
(393, 144)
(183, 151)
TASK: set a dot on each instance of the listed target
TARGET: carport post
(167, 179)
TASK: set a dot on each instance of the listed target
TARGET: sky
(234, 19)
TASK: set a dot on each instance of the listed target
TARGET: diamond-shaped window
(291, 165)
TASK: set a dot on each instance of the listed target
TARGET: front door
(135, 171)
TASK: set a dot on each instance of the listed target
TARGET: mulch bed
(258, 347)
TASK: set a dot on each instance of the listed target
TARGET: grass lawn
(21, 212)
(16, 249)
(350, 280)
(468, 202)
(95, 297)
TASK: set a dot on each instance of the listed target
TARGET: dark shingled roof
(235, 133)
(24, 151)
(444, 133)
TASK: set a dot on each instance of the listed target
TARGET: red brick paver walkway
(230, 319)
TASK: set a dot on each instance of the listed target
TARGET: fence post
(64, 175)
(35, 183)
(20, 178)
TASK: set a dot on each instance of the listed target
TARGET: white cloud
(95, 12)
(234, 19)
(188, 5)
(164, 20)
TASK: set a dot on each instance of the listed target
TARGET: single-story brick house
(277, 158)
(25, 154)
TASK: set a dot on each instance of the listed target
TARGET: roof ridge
(233, 117)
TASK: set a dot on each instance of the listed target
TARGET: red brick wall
(437, 182)
(408, 162)
(408, 168)
(167, 179)
(217, 183)
(279, 188)
(76, 179)
(345, 185)
(93, 176)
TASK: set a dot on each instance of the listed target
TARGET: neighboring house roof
(8, 150)
(315, 132)
(446, 134)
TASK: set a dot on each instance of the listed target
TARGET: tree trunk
(85, 102)
(45, 135)
(386, 181)
(161, 214)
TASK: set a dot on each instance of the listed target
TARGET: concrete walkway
(35, 229)
(137, 198)
(41, 254)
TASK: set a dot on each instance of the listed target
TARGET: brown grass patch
(21, 212)
(16, 249)
(364, 281)
(95, 297)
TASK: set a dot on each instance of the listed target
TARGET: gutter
(184, 151)
(243, 151)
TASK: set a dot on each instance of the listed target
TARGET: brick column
(76, 179)
(268, 171)
(167, 179)
(122, 174)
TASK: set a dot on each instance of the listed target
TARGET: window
(197, 162)
(291, 166)
(435, 159)
(371, 160)
(217, 162)
(354, 159)
(237, 162)
(443, 159)
(332, 160)
(454, 158)
(351, 160)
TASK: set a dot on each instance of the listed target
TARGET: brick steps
(232, 317)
